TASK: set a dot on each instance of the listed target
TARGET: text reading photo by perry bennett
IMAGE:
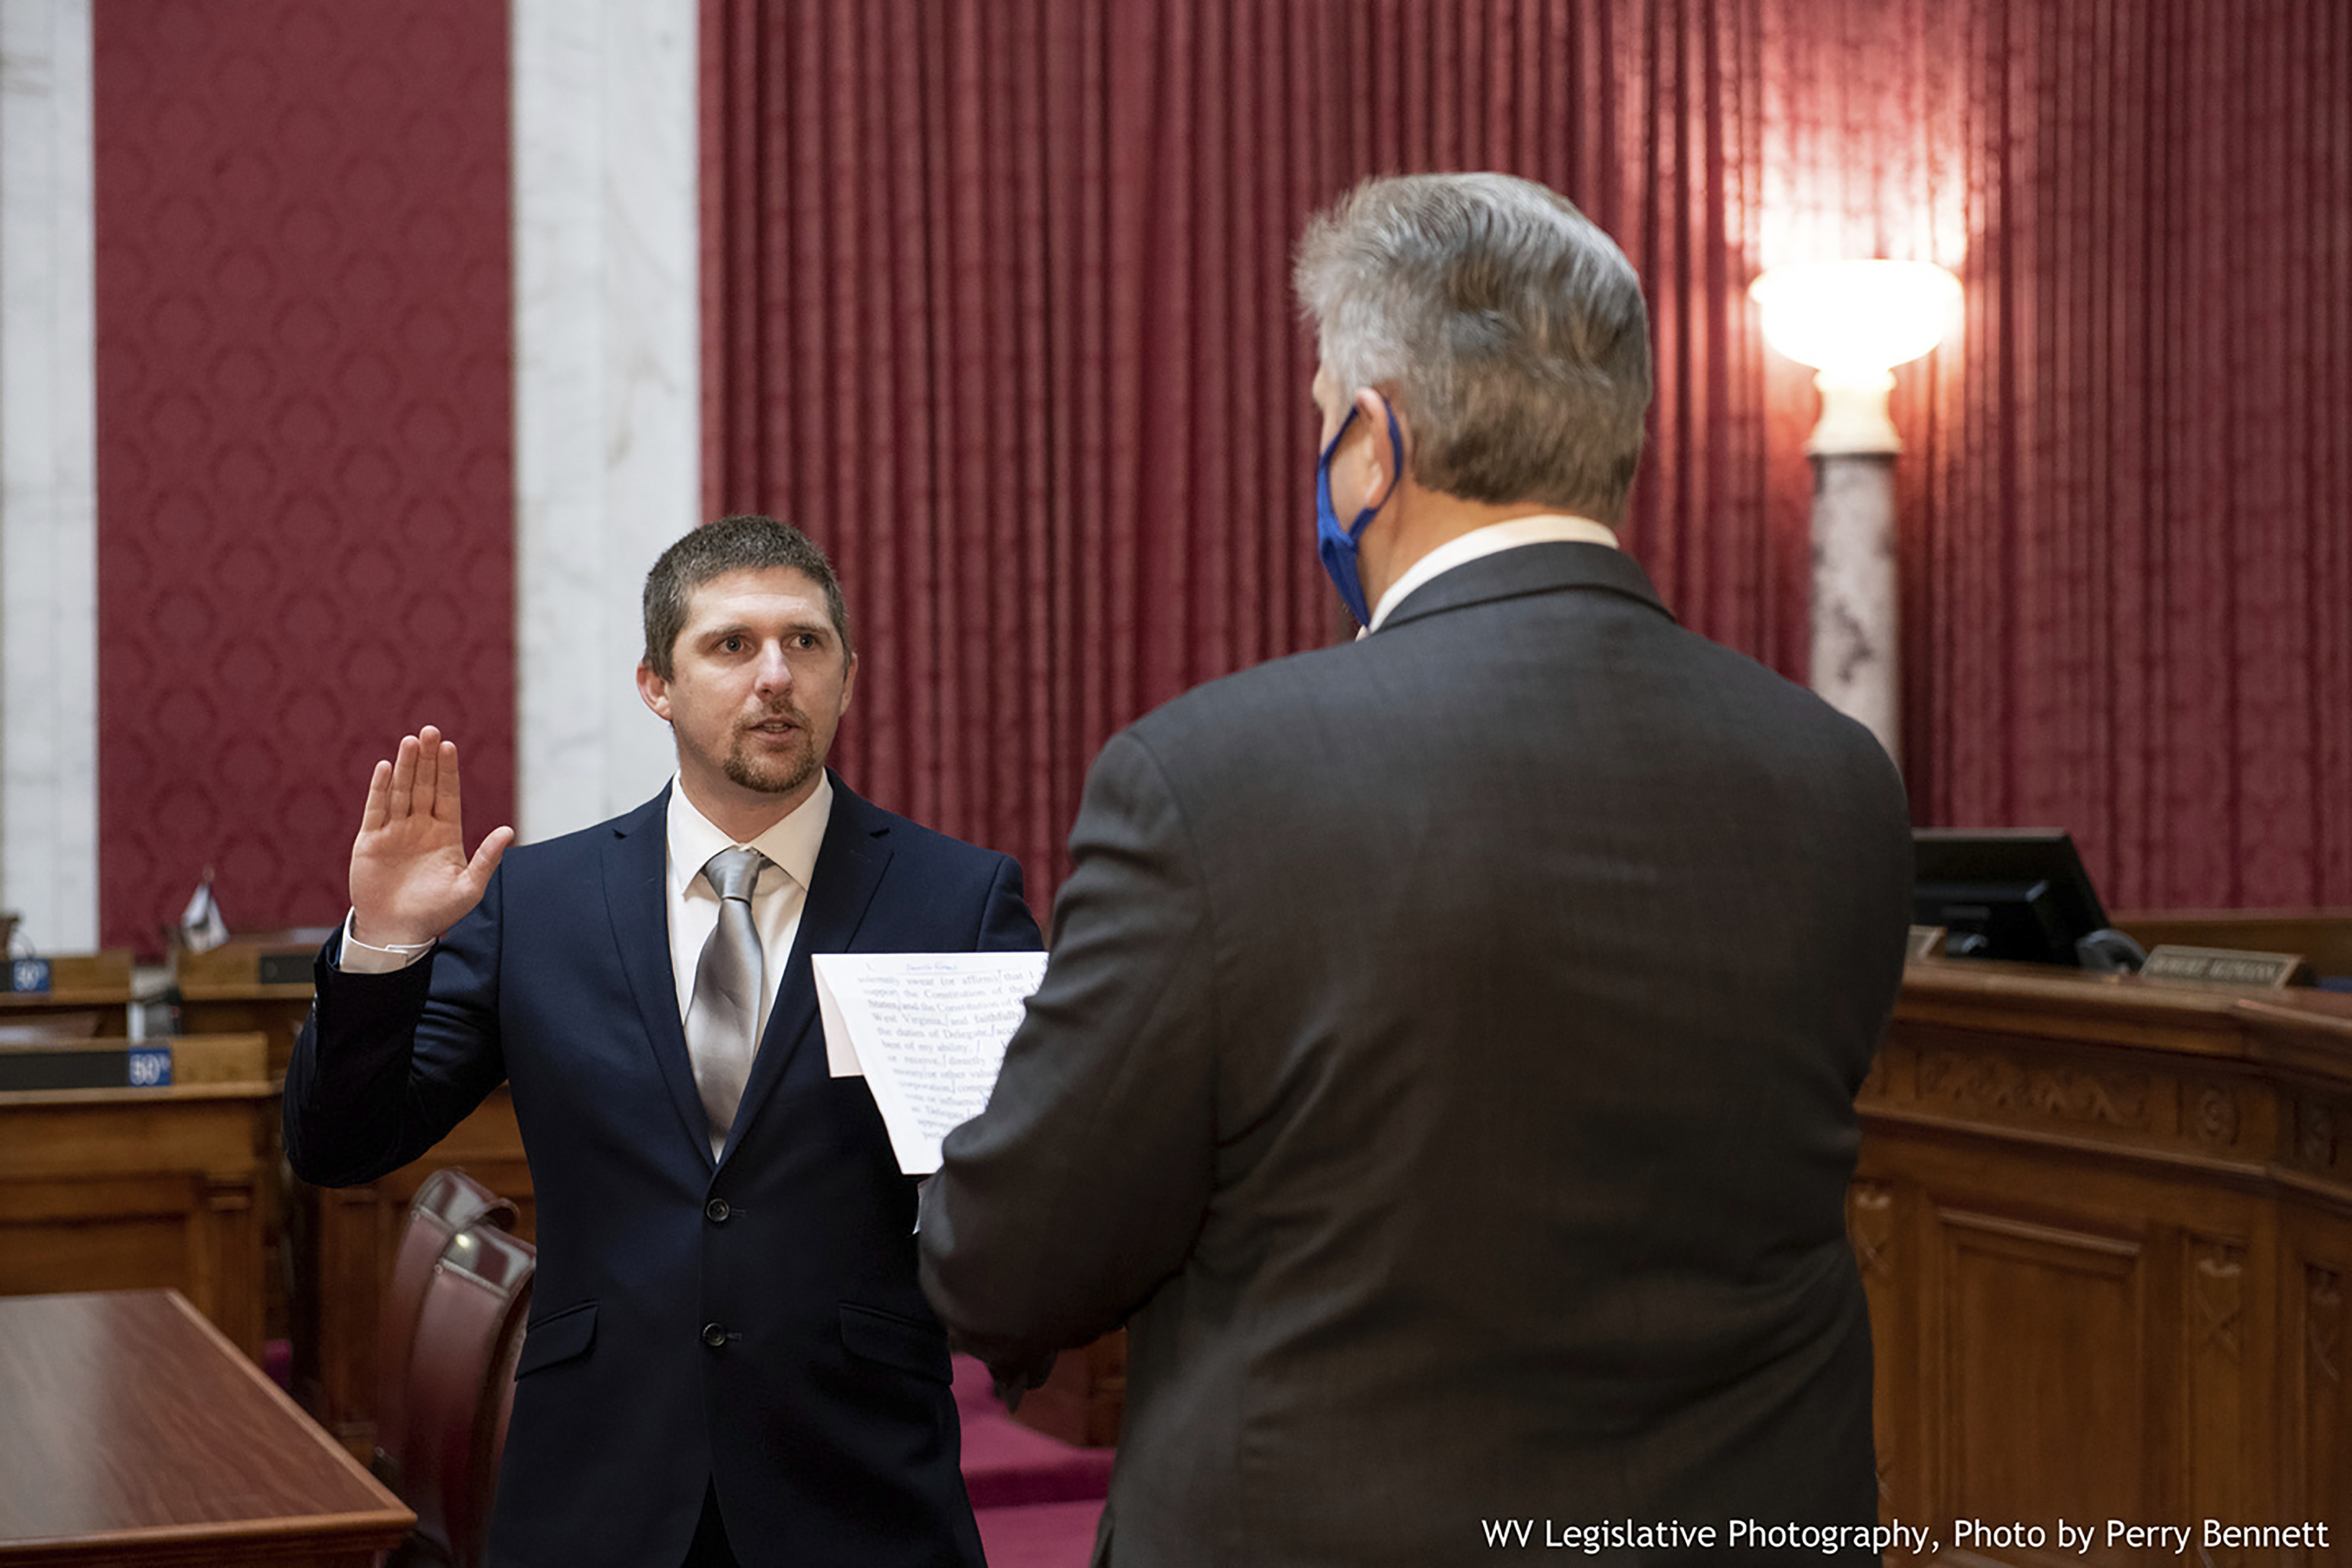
(2066, 1536)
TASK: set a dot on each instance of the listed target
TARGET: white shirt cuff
(356, 957)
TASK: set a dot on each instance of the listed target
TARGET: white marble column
(1855, 616)
(49, 539)
(607, 411)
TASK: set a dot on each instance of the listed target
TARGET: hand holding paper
(927, 1030)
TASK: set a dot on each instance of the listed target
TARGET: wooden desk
(136, 1435)
(2105, 1226)
(259, 981)
(80, 982)
(106, 1189)
(343, 1241)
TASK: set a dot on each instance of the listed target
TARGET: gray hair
(1507, 327)
(745, 542)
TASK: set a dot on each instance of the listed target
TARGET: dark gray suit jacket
(1446, 1068)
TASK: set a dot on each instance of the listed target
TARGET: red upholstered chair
(502, 1383)
(447, 1203)
(461, 1387)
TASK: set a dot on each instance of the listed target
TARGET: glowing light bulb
(1856, 315)
(1853, 322)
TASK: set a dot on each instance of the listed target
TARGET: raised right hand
(411, 880)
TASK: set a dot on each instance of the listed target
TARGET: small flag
(202, 928)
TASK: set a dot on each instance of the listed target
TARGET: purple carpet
(1041, 1535)
(1036, 1497)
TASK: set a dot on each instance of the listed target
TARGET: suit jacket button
(714, 1336)
(716, 1211)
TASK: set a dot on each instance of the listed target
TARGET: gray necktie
(722, 1024)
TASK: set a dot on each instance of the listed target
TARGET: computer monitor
(2012, 893)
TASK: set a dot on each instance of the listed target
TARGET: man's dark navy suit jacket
(823, 1413)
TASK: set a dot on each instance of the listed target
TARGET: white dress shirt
(1549, 529)
(691, 839)
(777, 900)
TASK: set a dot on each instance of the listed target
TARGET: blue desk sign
(151, 1066)
(28, 974)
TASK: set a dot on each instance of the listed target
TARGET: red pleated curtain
(996, 305)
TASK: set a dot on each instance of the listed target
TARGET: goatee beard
(780, 778)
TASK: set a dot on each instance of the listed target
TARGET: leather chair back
(461, 1384)
(447, 1203)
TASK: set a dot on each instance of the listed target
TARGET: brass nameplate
(2223, 966)
(1926, 942)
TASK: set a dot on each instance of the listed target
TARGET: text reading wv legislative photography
(1744, 1535)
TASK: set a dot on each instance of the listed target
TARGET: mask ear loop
(1330, 449)
(1396, 469)
(1396, 444)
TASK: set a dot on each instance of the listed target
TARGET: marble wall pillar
(48, 538)
(1855, 648)
(607, 410)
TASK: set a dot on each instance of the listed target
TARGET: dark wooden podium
(2106, 1229)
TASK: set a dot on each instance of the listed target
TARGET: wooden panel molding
(2321, 1409)
(2217, 1427)
(1996, 1082)
(2217, 1118)
(2038, 1332)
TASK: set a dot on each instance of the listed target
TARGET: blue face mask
(1335, 544)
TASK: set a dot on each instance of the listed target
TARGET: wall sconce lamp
(1853, 322)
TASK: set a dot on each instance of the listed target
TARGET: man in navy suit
(729, 1358)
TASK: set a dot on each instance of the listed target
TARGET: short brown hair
(746, 541)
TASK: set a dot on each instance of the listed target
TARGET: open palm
(410, 877)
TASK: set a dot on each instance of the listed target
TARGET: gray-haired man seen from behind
(1446, 1063)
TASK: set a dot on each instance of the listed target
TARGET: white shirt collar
(1549, 529)
(792, 843)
